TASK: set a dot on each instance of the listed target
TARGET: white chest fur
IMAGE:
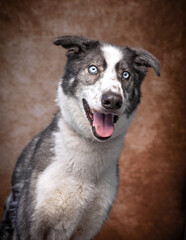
(81, 179)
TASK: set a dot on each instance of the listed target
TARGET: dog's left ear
(75, 44)
(146, 59)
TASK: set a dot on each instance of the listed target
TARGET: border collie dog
(66, 179)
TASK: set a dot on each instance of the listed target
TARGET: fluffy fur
(66, 179)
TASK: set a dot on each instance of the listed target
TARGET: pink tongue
(103, 124)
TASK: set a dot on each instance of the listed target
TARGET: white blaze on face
(110, 81)
(112, 56)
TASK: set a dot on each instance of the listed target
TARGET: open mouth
(102, 124)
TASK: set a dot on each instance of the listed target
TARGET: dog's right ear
(75, 44)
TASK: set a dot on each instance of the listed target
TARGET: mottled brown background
(150, 203)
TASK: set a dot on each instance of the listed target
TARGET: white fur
(71, 81)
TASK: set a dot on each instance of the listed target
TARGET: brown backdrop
(150, 203)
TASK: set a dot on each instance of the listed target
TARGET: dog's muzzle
(103, 123)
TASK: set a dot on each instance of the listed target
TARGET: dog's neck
(82, 158)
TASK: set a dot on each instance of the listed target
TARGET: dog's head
(103, 82)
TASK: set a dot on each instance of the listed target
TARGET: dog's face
(102, 82)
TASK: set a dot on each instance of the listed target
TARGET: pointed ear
(75, 44)
(146, 59)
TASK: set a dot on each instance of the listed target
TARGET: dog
(66, 179)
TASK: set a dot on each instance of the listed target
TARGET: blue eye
(126, 75)
(93, 70)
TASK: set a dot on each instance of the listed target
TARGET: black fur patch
(136, 61)
(75, 65)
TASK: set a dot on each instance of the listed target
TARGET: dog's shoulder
(33, 154)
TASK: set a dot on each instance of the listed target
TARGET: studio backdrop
(150, 202)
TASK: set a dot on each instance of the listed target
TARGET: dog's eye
(126, 75)
(93, 70)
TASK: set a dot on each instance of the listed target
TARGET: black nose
(111, 101)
